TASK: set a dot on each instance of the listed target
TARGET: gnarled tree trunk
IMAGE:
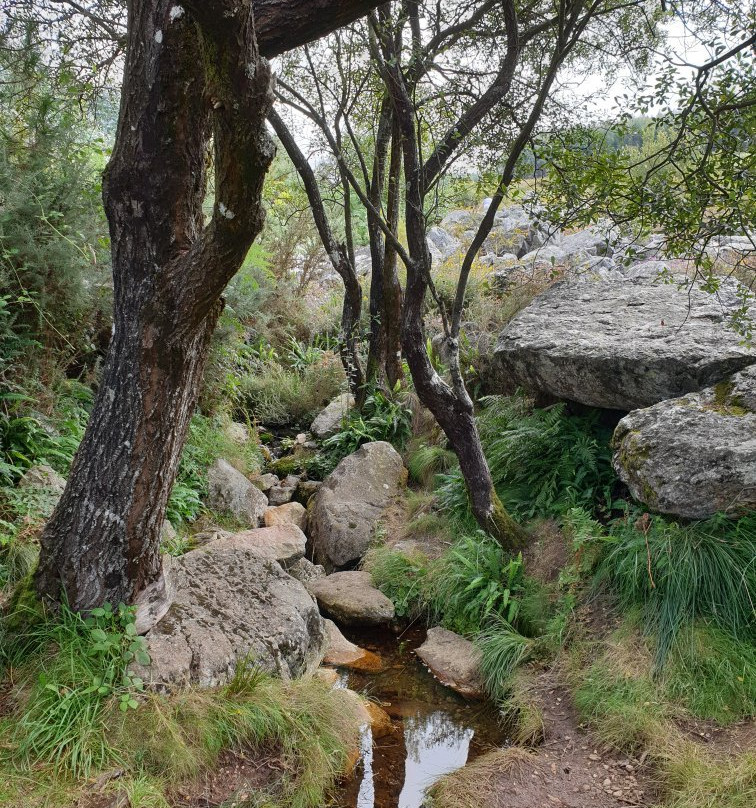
(192, 71)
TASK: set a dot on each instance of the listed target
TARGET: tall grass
(503, 650)
(680, 573)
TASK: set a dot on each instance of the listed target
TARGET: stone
(693, 456)
(291, 513)
(595, 240)
(350, 599)
(329, 420)
(168, 532)
(305, 571)
(43, 477)
(229, 491)
(444, 242)
(349, 505)
(238, 433)
(459, 220)
(305, 490)
(342, 653)
(621, 344)
(265, 482)
(329, 676)
(283, 492)
(153, 602)
(284, 543)
(47, 485)
(232, 605)
(454, 661)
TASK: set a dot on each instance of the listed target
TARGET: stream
(435, 731)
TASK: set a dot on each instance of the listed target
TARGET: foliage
(402, 578)
(679, 573)
(503, 650)
(382, 418)
(276, 395)
(425, 461)
(542, 461)
(81, 668)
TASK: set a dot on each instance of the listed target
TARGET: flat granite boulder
(351, 599)
(348, 506)
(454, 661)
(230, 604)
(284, 543)
(623, 343)
(329, 420)
(229, 491)
(696, 455)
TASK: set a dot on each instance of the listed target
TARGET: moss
(725, 402)
(24, 610)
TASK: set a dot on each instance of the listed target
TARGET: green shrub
(401, 577)
(381, 419)
(82, 669)
(473, 582)
(503, 649)
(424, 462)
(276, 395)
(679, 573)
(542, 461)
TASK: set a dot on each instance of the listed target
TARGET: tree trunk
(191, 70)
(392, 288)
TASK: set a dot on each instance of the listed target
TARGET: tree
(194, 75)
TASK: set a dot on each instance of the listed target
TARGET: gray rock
(348, 506)
(265, 482)
(168, 532)
(229, 491)
(305, 571)
(621, 345)
(282, 543)
(454, 661)
(459, 220)
(329, 420)
(696, 455)
(306, 489)
(351, 599)
(230, 605)
(445, 243)
(549, 254)
(593, 240)
(283, 492)
(238, 433)
(46, 485)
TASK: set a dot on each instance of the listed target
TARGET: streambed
(435, 731)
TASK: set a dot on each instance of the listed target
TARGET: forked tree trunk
(192, 70)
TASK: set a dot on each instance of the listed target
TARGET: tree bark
(191, 71)
(392, 287)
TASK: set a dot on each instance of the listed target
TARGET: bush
(679, 573)
(543, 461)
(402, 578)
(381, 419)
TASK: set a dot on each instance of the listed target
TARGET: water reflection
(436, 745)
(435, 733)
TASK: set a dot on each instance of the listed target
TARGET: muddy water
(435, 731)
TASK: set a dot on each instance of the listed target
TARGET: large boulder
(329, 420)
(348, 506)
(229, 491)
(341, 653)
(291, 513)
(230, 604)
(454, 661)
(621, 344)
(351, 599)
(696, 455)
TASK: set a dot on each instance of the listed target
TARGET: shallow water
(435, 732)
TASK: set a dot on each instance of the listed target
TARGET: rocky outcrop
(347, 507)
(231, 604)
(621, 344)
(229, 491)
(454, 661)
(696, 455)
(329, 420)
(351, 599)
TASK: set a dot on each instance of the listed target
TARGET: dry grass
(478, 783)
